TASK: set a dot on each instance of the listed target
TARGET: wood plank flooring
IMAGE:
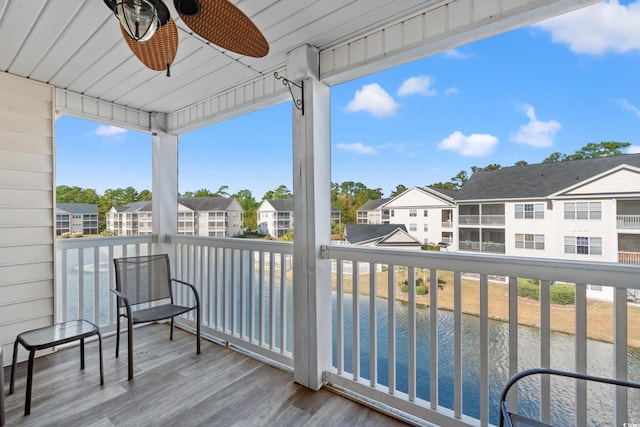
(173, 386)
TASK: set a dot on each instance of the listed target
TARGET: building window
(393, 213)
(529, 210)
(413, 212)
(425, 227)
(425, 213)
(583, 245)
(413, 227)
(583, 210)
(530, 241)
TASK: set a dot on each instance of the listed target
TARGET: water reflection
(599, 359)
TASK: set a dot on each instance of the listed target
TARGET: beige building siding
(26, 207)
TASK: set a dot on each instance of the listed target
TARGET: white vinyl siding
(27, 207)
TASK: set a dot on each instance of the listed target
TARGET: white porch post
(312, 214)
(164, 180)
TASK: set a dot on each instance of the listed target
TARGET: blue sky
(522, 95)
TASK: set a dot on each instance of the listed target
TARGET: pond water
(599, 360)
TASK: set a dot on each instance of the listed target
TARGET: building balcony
(629, 258)
(628, 222)
(247, 291)
(447, 224)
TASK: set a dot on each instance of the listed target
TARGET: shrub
(422, 290)
(431, 248)
(419, 281)
(404, 287)
(527, 289)
(563, 294)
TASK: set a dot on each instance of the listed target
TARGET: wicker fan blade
(223, 24)
(159, 51)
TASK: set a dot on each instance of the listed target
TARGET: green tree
(203, 192)
(250, 207)
(520, 163)
(459, 180)
(144, 196)
(491, 167)
(75, 194)
(590, 151)
(399, 190)
(222, 192)
(282, 192)
(349, 196)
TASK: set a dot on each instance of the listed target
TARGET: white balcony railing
(422, 362)
(84, 270)
(425, 363)
(629, 222)
(629, 258)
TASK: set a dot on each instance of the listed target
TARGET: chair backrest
(144, 278)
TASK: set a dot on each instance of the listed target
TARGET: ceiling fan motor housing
(188, 7)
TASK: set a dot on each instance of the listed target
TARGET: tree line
(590, 151)
(347, 197)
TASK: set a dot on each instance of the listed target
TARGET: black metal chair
(510, 419)
(145, 294)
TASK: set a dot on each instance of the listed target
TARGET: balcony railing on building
(628, 222)
(419, 362)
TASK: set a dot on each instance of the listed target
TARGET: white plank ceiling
(76, 45)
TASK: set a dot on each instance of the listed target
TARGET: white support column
(164, 180)
(312, 219)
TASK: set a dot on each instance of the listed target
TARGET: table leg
(13, 366)
(27, 402)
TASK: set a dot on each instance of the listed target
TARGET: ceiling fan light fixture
(139, 18)
(188, 7)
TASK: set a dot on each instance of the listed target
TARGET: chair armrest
(122, 296)
(193, 288)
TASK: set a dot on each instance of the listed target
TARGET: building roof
(78, 208)
(207, 203)
(370, 205)
(358, 233)
(538, 180)
(452, 194)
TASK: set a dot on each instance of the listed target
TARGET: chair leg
(118, 334)
(82, 353)
(101, 364)
(171, 333)
(198, 329)
(13, 366)
(27, 402)
(130, 347)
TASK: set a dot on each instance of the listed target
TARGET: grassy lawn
(599, 313)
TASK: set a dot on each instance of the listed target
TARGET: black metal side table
(51, 336)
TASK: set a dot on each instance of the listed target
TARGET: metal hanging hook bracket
(299, 102)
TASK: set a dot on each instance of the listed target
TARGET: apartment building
(275, 216)
(197, 216)
(76, 218)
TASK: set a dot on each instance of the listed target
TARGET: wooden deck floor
(174, 387)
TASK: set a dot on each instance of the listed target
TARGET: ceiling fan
(152, 34)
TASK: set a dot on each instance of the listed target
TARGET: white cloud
(104, 130)
(536, 133)
(417, 85)
(451, 91)
(604, 27)
(476, 144)
(633, 149)
(455, 54)
(357, 147)
(628, 106)
(373, 99)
